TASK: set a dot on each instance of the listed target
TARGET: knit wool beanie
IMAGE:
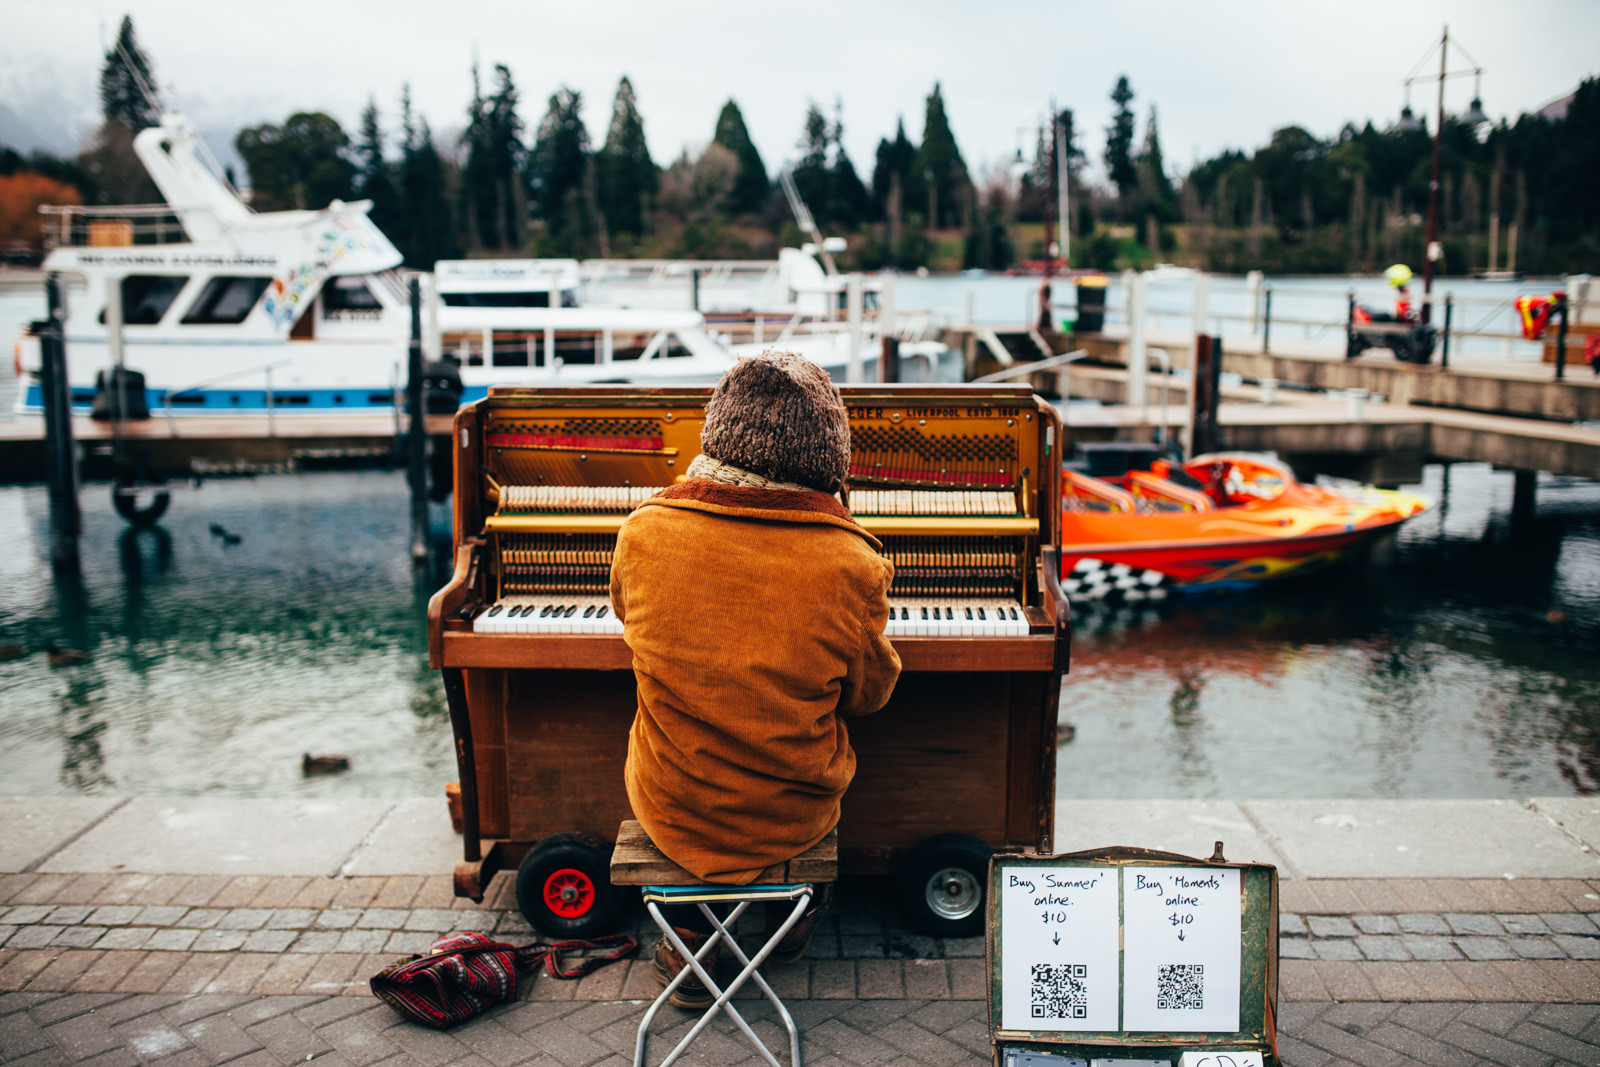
(780, 416)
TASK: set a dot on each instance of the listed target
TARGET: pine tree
(627, 176)
(374, 177)
(751, 185)
(491, 186)
(301, 164)
(128, 83)
(938, 161)
(896, 187)
(812, 180)
(1119, 141)
(560, 178)
(427, 235)
(1154, 187)
(852, 204)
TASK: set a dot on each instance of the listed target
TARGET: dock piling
(1449, 313)
(66, 521)
(417, 432)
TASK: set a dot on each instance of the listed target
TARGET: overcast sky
(1223, 73)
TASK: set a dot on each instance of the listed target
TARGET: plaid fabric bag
(463, 974)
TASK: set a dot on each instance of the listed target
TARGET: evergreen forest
(527, 177)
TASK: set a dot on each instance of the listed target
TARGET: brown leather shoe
(691, 994)
(798, 939)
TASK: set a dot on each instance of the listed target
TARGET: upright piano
(961, 484)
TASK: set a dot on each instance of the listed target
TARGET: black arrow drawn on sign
(1180, 935)
(1057, 938)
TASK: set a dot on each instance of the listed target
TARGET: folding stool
(636, 861)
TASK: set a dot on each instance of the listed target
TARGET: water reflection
(1459, 660)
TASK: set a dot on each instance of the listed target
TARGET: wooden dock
(216, 443)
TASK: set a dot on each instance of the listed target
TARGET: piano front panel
(958, 485)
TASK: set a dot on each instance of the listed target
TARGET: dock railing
(166, 400)
(117, 226)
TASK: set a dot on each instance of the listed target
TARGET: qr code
(1060, 991)
(1181, 987)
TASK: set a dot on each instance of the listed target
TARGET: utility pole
(1046, 316)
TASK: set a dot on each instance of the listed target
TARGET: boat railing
(166, 401)
(113, 226)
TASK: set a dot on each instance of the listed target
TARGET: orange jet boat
(1221, 522)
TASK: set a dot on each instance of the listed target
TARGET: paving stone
(268, 940)
(126, 937)
(33, 937)
(961, 947)
(1331, 926)
(195, 973)
(218, 941)
(103, 975)
(1568, 923)
(1484, 948)
(1383, 948)
(67, 915)
(1431, 948)
(383, 918)
(151, 972)
(71, 1005)
(151, 1038)
(114, 914)
(1493, 1048)
(244, 919)
(1337, 949)
(431, 920)
(203, 918)
(1523, 924)
(78, 936)
(1376, 924)
(291, 918)
(316, 941)
(171, 940)
(287, 1038)
(221, 1037)
(360, 1039)
(1422, 923)
(65, 969)
(160, 916)
(1297, 948)
(285, 974)
(338, 918)
(1481, 925)
(362, 941)
(27, 914)
(1536, 948)
(1579, 948)
(1290, 925)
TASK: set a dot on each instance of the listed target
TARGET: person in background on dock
(754, 606)
(1399, 276)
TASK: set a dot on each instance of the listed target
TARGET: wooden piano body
(966, 745)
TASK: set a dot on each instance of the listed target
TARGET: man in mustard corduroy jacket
(754, 606)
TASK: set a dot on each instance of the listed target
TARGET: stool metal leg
(724, 996)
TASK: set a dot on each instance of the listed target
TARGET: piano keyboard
(915, 617)
(548, 615)
(950, 617)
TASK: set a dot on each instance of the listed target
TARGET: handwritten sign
(1058, 950)
(1180, 949)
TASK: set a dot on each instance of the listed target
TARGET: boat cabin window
(341, 296)
(146, 297)
(539, 299)
(225, 301)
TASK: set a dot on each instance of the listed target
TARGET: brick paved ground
(265, 970)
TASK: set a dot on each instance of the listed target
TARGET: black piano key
(588, 611)
(602, 612)
(494, 611)
(548, 609)
(572, 610)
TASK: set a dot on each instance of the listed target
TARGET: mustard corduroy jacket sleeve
(870, 680)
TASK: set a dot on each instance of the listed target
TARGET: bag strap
(531, 956)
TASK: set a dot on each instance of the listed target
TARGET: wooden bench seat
(637, 861)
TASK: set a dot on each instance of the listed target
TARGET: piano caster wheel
(564, 886)
(942, 882)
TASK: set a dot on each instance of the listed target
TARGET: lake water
(1430, 669)
(1457, 660)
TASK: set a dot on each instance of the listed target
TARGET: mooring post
(66, 522)
(1266, 322)
(694, 289)
(1561, 338)
(1449, 312)
(889, 359)
(417, 432)
(852, 367)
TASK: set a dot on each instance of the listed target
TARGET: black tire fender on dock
(125, 497)
(564, 886)
(942, 885)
